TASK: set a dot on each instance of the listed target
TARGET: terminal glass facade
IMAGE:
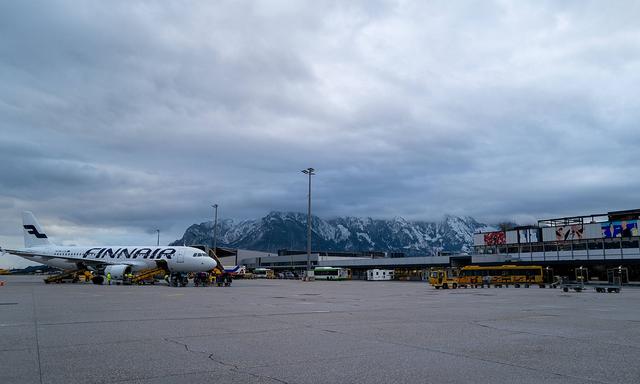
(614, 236)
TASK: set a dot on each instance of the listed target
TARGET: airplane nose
(212, 264)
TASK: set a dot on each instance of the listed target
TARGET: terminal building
(595, 242)
(611, 236)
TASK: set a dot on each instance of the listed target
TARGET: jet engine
(117, 271)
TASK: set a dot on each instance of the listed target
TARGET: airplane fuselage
(177, 259)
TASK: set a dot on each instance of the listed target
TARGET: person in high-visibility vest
(109, 278)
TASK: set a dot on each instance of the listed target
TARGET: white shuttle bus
(331, 273)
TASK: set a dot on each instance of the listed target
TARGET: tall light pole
(310, 172)
(158, 241)
(215, 228)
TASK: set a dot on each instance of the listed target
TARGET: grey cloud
(137, 115)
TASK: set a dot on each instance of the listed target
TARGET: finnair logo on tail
(31, 229)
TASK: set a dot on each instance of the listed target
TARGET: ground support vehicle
(444, 278)
(178, 279)
(616, 277)
(578, 286)
(474, 276)
(263, 273)
(224, 279)
(331, 273)
(607, 288)
(69, 276)
(502, 275)
(380, 274)
(290, 275)
(147, 276)
(201, 279)
(555, 283)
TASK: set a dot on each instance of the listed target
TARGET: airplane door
(180, 256)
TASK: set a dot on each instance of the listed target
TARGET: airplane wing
(11, 251)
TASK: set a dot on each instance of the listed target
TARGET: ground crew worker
(109, 278)
(486, 280)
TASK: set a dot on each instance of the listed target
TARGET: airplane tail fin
(33, 234)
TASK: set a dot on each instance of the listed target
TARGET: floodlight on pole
(310, 172)
(158, 240)
(215, 228)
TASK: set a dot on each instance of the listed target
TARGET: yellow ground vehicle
(87, 276)
(477, 276)
(516, 275)
(443, 278)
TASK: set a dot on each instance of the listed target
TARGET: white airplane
(118, 261)
(236, 270)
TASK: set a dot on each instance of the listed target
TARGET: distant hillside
(288, 230)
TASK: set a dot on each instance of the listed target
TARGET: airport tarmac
(287, 331)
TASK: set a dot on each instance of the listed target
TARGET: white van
(380, 274)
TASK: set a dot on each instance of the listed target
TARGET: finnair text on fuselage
(129, 253)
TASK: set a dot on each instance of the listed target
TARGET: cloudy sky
(120, 117)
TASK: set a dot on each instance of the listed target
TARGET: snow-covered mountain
(288, 230)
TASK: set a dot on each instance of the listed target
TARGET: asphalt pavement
(288, 331)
